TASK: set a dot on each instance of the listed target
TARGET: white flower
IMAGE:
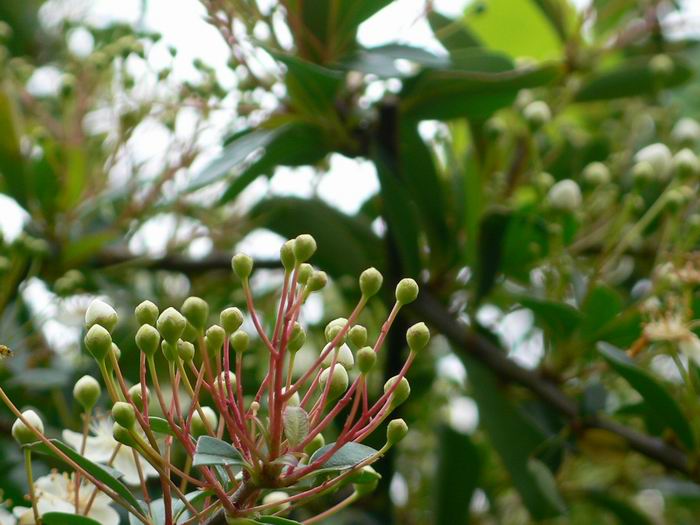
(672, 329)
(565, 195)
(56, 493)
(100, 447)
(6, 518)
(658, 156)
(686, 131)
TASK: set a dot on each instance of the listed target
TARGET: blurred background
(142, 142)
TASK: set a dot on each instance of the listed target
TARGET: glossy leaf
(452, 34)
(160, 425)
(212, 451)
(381, 60)
(64, 518)
(344, 458)
(311, 88)
(661, 406)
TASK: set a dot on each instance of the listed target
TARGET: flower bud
(396, 431)
(537, 114)
(102, 314)
(366, 357)
(686, 132)
(124, 414)
(196, 311)
(642, 172)
(357, 335)
(305, 271)
(147, 339)
(315, 444)
(406, 291)
(215, 338)
(169, 351)
(239, 341)
(146, 313)
(287, 255)
(543, 181)
(565, 196)
(231, 319)
(417, 337)
(86, 392)
(659, 156)
(661, 66)
(190, 333)
(334, 327)
(304, 247)
(98, 342)
(339, 381)
(136, 395)
(297, 338)
(278, 498)
(317, 281)
(122, 435)
(345, 357)
(370, 282)
(401, 392)
(221, 383)
(686, 163)
(22, 433)
(596, 174)
(199, 428)
(116, 352)
(364, 476)
(171, 325)
(185, 350)
(294, 400)
(242, 264)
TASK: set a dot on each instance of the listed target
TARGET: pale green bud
(222, 385)
(686, 163)
(86, 392)
(334, 327)
(304, 247)
(396, 431)
(169, 351)
(185, 350)
(124, 414)
(196, 311)
(297, 338)
(199, 428)
(146, 313)
(24, 435)
(401, 393)
(357, 335)
(305, 271)
(565, 196)
(239, 341)
(661, 66)
(345, 357)
(659, 156)
(642, 172)
(231, 319)
(147, 339)
(171, 325)
(596, 173)
(242, 264)
(370, 282)
(317, 281)
(136, 395)
(122, 435)
(537, 114)
(102, 314)
(406, 291)
(417, 337)
(278, 498)
(366, 358)
(215, 338)
(339, 381)
(287, 255)
(98, 342)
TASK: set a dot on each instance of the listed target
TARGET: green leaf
(562, 15)
(661, 406)
(346, 245)
(63, 518)
(623, 511)
(452, 34)
(457, 476)
(560, 320)
(311, 88)
(296, 424)
(295, 144)
(276, 520)
(97, 471)
(13, 180)
(499, 24)
(160, 425)
(602, 305)
(492, 231)
(212, 451)
(381, 60)
(546, 483)
(630, 78)
(344, 458)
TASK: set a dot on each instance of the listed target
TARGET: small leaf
(559, 319)
(296, 424)
(452, 34)
(344, 458)
(160, 425)
(547, 484)
(212, 451)
(661, 406)
(64, 518)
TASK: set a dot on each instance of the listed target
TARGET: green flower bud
(334, 327)
(136, 395)
(86, 392)
(370, 282)
(22, 433)
(239, 341)
(191, 333)
(396, 431)
(287, 255)
(242, 264)
(345, 357)
(297, 338)
(294, 400)
(661, 66)
(417, 337)
(185, 350)
(196, 311)
(98, 342)
(116, 352)
(357, 335)
(169, 350)
(199, 428)
(317, 281)
(122, 435)
(537, 114)
(316, 443)
(686, 132)
(304, 247)
(146, 313)
(231, 319)
(659, 156)
(365, 475)
(686, 163)
(406, 291)
(278, 498)
(102, 314)
(221, 385)
(643, 172)
(124, 414)
(147, 339)
(171, 325)
(596, 174)
(401, 393)
(215, 338)
(565, 196)
(339, 381)
(544, 181)
(366, 357)
(305, 271)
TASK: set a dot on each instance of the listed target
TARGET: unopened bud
(287, 255)
(596, 174)
(86, 392)
(565, 196)
(147, 339)
(401, 392)
(122, 435)
(199, 427)
(406, 291)
(339, 381)
(305, 272)
(278, 501)
(215, 338)
(196, 311)
(239, 341)
(22, 433)
(366, 357)
(136, 395)
(315, 444)
(297, 338)
(417, 337)
(102, 314)
(185, 350)
(659, 156)
(370, 282)
(231, 319)
(124, 414)
(294, 400)
(224, 379)
(169, 351)
(661, 66)
(358, 336)
(537, 114)
(686, 132)
(304, 247)
(642, 172)
(242, 264)
(344, 358)
(686, 163)
(146, 313)
(98, 342)
(334, 327)
(317, 281)
(171, 325)
(396, 431)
